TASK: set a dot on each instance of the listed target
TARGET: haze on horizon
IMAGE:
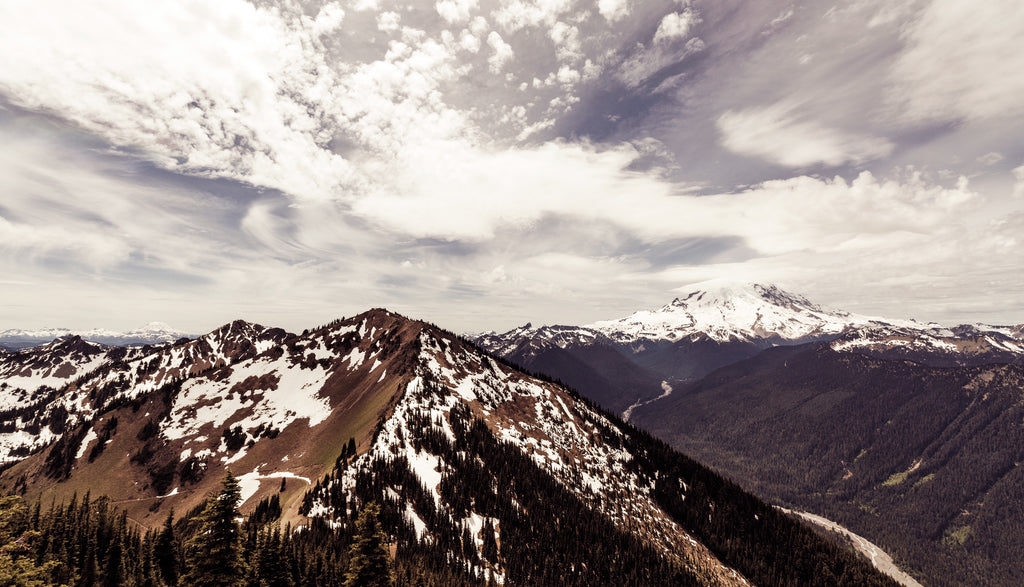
(482, 164)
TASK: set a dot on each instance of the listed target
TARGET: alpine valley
(477, 472)
(908, 434)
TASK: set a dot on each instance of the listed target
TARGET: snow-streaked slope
(562, 436)
(960, 345)
(25, 374)
(81, 378)
(506, 343)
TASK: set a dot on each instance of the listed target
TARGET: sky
(480, 164)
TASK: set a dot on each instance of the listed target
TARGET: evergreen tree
(166, 551)
(271, 562)
(16, 564)
(368, 556)
(213, 556)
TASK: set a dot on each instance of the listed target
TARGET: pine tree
(16, 564)
(166, 551)
(271, 562)
(368, 555)
(213, 556)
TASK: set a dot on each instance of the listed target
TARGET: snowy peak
(725, 312)
(507, 343)
(238, 340)
(152, 333)
(947, 347)
(25, 374)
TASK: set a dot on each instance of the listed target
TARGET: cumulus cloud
(675, 25)
(613, 10)
(778, 134)
(213, 105)
(501, 52)
(455, 11)
(519, 14)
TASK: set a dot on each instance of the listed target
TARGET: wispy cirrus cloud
(777, 133)
(444, 158)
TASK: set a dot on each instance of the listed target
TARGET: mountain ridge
(421, 409)
(151, 333)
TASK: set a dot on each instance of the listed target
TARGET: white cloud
(212, 105)
(389, 21)
(94, 249)
(613, 10)
(1018, 187)
(365, 5)
(469, 42)
(675, 25)
(567, 42)
(455, 11)
(519, 14)
(502, 52)
(439, 196)
(328, 19)
(962, 61)
(777, 134)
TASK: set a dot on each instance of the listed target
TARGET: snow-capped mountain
(152, 333)
(728, 312)
(544, 336)
(961, 345)
(628, 361)
(455, 445)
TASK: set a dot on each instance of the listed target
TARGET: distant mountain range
(152, 333)
(622, 362)
(907, 433)
(497, 474)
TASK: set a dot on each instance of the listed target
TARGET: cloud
(519, 14)
(455, 11)
(502, 52)
(567, 42)
(675, 25)
(300, 161)
(328, 19)
(1018, 187)
(961, 61)
(645, 62)
(244, 97)
(613, 10)
(778, 134)
(389, 22)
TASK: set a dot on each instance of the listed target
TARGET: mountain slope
(492, 470)
(921, 459)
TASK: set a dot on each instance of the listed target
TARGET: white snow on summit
(726, 311)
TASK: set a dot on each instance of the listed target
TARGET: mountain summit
(725, 311)
(717, 323)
